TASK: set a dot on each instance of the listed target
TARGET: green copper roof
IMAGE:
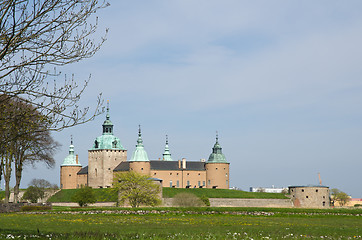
(167, 154)
(139, 154)
(217, 156)
(107, 140)
(71, 159)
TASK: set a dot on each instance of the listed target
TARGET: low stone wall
(15, 207)
(241, 202)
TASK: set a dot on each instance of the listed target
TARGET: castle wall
(180, 178)
(310, 196)
(68, 176)
(82, 180)
(140, 167)
(101, 164)
(217, 175)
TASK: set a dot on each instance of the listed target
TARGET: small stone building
(107, 157)
(311, 196)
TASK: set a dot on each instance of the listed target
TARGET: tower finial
(166, 139)
(107, 116)
(217, 136)
(139, 130)
(71, 139)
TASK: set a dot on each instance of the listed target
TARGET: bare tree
(35, 37)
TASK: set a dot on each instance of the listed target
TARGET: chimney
(184, 163)
(76, 158)
(179, 164)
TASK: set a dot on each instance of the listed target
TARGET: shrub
(29, 208)
(84, 196)
(187, 200)
(205, 200)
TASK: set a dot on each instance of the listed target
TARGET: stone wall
(241, 202)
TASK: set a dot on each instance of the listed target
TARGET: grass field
(107, 195)
(251, 224)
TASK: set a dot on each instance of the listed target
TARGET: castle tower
(217, 168)
(139, 161)
(167, 154)
(106, 153)
(69, 169)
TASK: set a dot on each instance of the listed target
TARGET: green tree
(36, 189)
(33, 193)
(137, 189)
(84, 196)
(339, 196)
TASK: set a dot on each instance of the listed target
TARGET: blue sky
(280, 81)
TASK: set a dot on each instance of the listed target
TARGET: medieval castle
(108, 156)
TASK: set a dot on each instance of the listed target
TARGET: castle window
(154, 174)
(170, 173)
(70, 175)
(203, 183)
(170, 183)
(216, 168)
(324, 197)
(306, 196)
(209, 182)
(188, 183)
(227, 182)
(178, 183)
(226, 174)
(324, 204)
(177, 174)
(316, 190)
(302, 190)
(199, 174)
(141, 169)
(188, 174)
(224, 168)
(199, 183)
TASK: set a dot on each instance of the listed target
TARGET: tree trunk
(18, 174)
(7, 173)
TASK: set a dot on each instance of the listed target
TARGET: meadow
(176, 223)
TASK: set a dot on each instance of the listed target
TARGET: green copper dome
(139, 154)
(167, 154)
(217, 156)
(71, 159)
(107, 140)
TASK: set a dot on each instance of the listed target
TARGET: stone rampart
(242, 202)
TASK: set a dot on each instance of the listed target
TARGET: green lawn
(107, 195)
(254, 224)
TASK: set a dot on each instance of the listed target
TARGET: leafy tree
(185, 199)
(24, 140)
(36, 189)
(137, 189)
(84, 196)
(339, 196)
(33, 193)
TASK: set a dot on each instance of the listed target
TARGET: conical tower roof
(71, 159)
(139, 154)
(217, 156)
(167, 154)
(107, 140)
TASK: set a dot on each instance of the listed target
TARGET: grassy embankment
(107, 195)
